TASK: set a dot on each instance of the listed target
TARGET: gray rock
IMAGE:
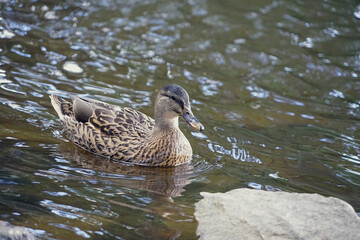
(10, 232)
(255, 214)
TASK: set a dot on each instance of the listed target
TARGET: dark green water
(275, 83)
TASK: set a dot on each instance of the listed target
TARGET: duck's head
(171, 102)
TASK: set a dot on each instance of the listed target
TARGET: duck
(127, 135)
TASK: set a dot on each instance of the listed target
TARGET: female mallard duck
(128, 135)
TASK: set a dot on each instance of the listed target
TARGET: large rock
(10, 232)
(255, 214)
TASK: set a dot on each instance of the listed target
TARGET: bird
(127, 135)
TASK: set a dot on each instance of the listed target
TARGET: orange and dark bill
(192, 121)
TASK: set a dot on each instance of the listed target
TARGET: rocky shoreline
(256, 214)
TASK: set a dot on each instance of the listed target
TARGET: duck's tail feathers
(62, 107)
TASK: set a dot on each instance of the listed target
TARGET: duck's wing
(109, 119)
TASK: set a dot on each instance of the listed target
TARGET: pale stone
(72, 67)
(10, 232)
(6, 33)
(255, 214)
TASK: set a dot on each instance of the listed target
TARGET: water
(275, 83)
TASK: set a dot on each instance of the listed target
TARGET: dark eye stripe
(178, 101)
(175, 110)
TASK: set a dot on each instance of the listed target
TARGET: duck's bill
(192, 121)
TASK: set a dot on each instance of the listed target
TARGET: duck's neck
(165, 118)
(163, 124)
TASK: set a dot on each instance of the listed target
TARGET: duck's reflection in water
(161, 185)
(166, 182)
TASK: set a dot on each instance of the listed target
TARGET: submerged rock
(256, 214)
(72, 67)
(10, 232)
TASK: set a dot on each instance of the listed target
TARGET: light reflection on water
(274, 83)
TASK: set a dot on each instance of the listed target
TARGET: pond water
(275, 83)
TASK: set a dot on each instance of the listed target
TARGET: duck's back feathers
(109, 119)
(99, 127)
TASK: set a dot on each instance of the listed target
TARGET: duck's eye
(173, 98)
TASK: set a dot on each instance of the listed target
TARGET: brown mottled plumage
(128, 135)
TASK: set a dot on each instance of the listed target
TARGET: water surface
(275, 83)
